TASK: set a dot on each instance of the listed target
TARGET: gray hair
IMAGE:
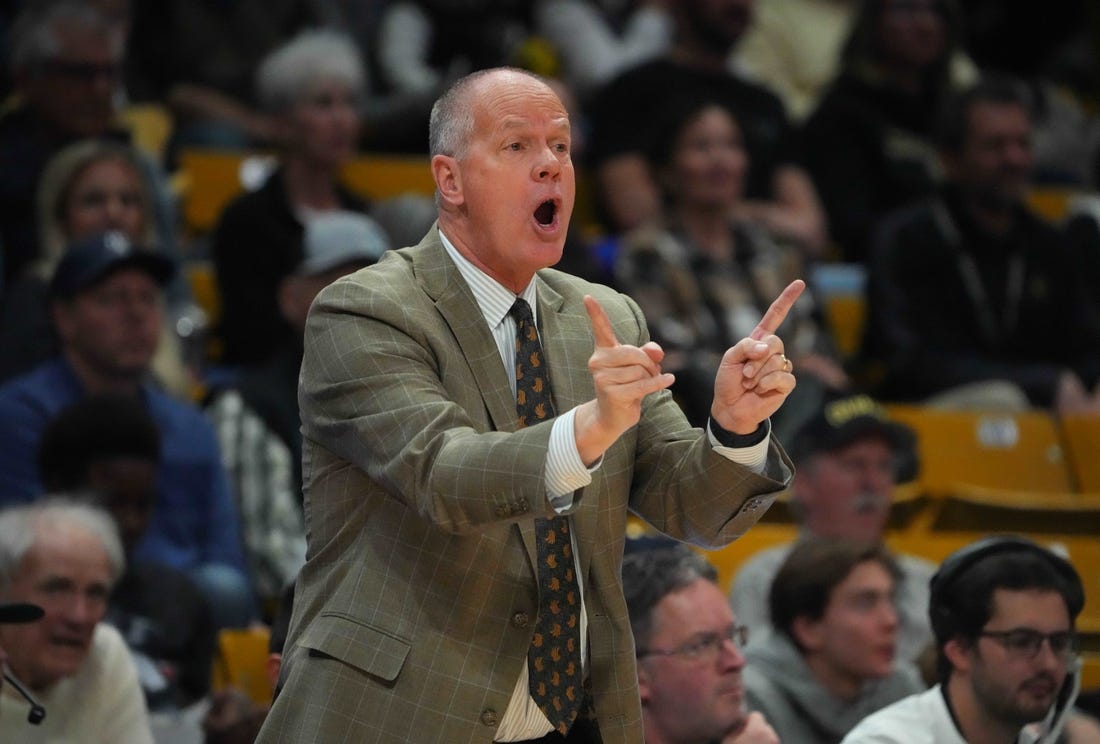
(649, 575)
(22, 526)
(55, 187)
(452, 119)
(34, 36)
(286, 75)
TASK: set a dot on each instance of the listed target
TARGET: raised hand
(754, 377)
(755, 731)
(623, 375)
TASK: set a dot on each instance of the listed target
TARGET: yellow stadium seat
(1017, 452)
(150, 125)
(1082, 438)
(241, 662)
(208, 179)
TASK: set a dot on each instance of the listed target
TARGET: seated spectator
(848, 458)
(959, 287)
(257, 421)
(65, 557)
(1003, 610)
(89, 187)
(596, 40)
(199, 58)
(779, 194)
(831, 660)
(690, 651)
(312, 87)
(106, 303)
(704, 280)
(67, 59)
(870, 142)
(109, 447)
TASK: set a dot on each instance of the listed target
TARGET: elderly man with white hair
(65, 557)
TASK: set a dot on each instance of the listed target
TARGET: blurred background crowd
(179, 178)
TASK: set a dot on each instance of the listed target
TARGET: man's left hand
(755, 377)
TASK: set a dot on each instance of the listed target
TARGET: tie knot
(521, 311)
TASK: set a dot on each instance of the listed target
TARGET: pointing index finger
(601, 324)
(777, 313)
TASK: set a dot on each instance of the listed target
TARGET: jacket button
(520, 619)
(489, 717)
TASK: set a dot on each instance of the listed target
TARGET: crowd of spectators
(725, 146)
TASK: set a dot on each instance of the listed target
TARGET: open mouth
(545, 213)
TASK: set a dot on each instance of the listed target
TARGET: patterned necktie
(554, 659)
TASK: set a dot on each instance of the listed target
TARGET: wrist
(729, 438)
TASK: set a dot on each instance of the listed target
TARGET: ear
(808, 633)
(272, 667)
(448, 179)
(643, 683)
(957, 652)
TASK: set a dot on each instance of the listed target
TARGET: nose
(731, 656)
(82, 610)
(548, 166)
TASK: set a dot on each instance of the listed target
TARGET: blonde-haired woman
(89, 187)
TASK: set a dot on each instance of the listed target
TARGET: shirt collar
(493, 298)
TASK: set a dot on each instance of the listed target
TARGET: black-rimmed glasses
(1025, 643)
(704, 646)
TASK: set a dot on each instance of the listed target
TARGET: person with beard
(690, 651)
(848, 458)
(832, 658)
(1003, 610)
(961, 285)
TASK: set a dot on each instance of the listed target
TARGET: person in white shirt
(1003, 612)
(65, 557)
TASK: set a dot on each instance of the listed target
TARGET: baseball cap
(88, 261)
(842, 420)
(338, 238)
(19, 612)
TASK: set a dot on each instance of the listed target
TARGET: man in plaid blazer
(415, 610)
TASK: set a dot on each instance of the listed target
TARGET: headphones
(961, 561)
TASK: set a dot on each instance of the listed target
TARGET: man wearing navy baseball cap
(92, 260)
(106, 303)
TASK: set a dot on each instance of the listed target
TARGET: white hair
(286, 75)
(22, 526)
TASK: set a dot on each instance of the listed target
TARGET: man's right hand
(623, 375)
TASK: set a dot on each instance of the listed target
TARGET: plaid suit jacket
(415, 608)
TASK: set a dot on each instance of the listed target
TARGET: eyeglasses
(1024, 643)
(705, 646)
